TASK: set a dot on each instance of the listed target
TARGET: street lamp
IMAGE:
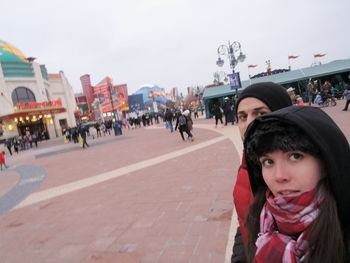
(220, 77)
(234, 54)
(230, 51)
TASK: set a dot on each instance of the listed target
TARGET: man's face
(249, 109)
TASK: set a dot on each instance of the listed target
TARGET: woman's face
(290, 173)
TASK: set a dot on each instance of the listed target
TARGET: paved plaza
(146, 196)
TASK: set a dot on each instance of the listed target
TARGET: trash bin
(118, 128)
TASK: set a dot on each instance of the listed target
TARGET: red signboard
(118, 94)
(38, 105)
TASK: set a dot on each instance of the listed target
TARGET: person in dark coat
(9, 143)
(82, 132)
(298, 164)
(183, 125)
(347, 97)
(229, 111)
(168, 117)
(217, 112)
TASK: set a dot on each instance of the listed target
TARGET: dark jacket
(168, 115)
(217, 112)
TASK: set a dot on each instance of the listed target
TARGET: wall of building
(62, 90)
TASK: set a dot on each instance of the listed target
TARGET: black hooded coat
(334, 147)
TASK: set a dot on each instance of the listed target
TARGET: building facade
(31, 100)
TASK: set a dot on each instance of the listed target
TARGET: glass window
(22, 94)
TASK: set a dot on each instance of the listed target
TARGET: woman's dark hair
(325, 237)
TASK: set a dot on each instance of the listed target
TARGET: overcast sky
(172, 43)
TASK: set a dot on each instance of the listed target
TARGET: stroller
(325, 100)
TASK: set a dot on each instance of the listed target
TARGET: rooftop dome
(10, 53)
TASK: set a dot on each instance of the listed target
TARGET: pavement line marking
(80, 184)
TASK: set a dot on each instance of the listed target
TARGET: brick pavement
(171, 201)
(143, 197)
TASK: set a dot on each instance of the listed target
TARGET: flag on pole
(319, 55)
(292, 57)
(252, 66)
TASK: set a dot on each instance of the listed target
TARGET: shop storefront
(35, 118)
(32, 100)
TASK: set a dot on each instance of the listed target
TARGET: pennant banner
(292, 57)
(319, 55)
(252, 66)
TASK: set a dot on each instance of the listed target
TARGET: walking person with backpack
(182, 124)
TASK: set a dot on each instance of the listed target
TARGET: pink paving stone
(204, 257)
(101, 244)
(144, 223)
(151, 257)
(206, 229)
(177, 254)
(109, 257)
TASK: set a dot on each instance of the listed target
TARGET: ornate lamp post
(220, 77)
(234, 54)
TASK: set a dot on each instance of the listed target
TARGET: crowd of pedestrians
(24, 142)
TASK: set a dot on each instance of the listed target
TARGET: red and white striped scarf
(284, 225)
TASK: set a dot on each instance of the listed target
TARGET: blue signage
(235, 80)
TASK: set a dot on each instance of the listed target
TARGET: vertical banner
(101, 92)
(116, 93)
(235, 81)
(120, 97)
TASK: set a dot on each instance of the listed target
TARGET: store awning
(32, 112)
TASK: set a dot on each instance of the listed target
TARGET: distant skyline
(173, 43)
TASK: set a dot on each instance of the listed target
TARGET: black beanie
(272, 94)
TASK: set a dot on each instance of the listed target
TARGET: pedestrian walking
(346, 94)
(82, 133)
(35, 139)
(189, 122)
(196, 112)
(182, 124)
(16, 145)
(168, 117)
(217, 112)
(9, 143)
(310, 91)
